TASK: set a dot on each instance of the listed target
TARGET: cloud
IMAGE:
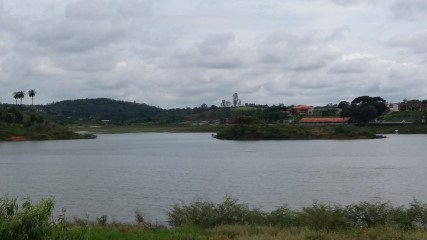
(409, 9)
(172, 53)
(414, 42)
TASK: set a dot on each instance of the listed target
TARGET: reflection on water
(116, 174)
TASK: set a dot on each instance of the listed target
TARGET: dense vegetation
(125, 113)
(91, 110)
(247, 129)
(121, 116)
(18, 124)
(362, 109)
(230, 219)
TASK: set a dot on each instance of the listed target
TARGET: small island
(247, 128)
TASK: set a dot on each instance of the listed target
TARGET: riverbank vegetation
(229, 219)
(369, 116)
(18, 125)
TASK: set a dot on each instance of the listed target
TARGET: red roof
(325, 120)
(302, 107)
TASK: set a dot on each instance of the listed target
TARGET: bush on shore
(229, 219)
(318, 216)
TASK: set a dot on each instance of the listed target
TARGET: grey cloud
(9, 23)
(107, 9)
(169, 54)
(299, 53)
(345, 2)
(351, 66)
(76, 36)
(88, 10)
(215, 51)
(409, 9)
(416, 42)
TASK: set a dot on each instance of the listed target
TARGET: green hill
(94, 110)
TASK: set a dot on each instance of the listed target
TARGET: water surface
(116, 174)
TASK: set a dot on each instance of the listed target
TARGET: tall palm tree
(17, 96)
(31, 94)
(21, 95)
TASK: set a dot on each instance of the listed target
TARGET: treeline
(95, 110)
(19, 123)
(14, 115)
(123, 113)
(362, 109)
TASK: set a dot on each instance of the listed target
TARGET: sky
(183, 53)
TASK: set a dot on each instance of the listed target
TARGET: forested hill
(119, 112)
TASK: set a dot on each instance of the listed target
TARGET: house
(302, 110)
(324, 121)
(412, 105)
(393, 107)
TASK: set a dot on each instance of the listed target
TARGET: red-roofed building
(325, 121)
(302, 110)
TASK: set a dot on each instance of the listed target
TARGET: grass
(133, 232)
(407, 116)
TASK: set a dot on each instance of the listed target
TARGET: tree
(31, 94)
(364, 107)
(366, 100)
(235, 99)
(16, 95)
(343, 104)
(21, 95)
(367, 113)
(225, 103)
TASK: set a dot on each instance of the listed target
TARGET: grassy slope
(407, 116)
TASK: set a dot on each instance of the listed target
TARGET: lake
(117, 174)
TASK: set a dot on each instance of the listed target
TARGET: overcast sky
(179, 53)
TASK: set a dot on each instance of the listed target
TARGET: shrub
(34, 221)
(208, 214)
(284, 217)
(418, 213)
(324, 217)
(369, 214)
(25, 221)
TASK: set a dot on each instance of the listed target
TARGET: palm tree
(31, 94)
(21, 95)
(17, 96)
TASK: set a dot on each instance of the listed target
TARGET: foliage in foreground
(28, 221)
(230, 219)
(318, 216)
